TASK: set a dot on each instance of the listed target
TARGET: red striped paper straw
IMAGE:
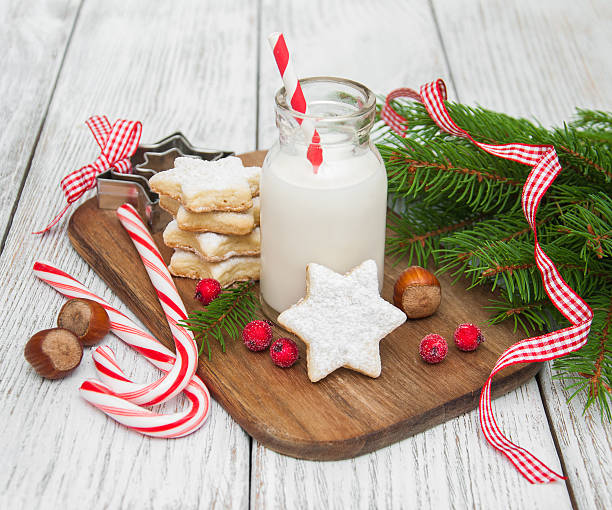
(296, 96)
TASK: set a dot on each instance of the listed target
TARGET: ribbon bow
(117, 143)
(545, 167)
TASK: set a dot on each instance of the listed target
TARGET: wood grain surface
(33, 38)
(204, 67)
(542, 60)
(344, 415)
(425, 470)
(165, 66)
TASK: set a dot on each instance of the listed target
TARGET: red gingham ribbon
(117, 143)
(546, 167)
(393, 119)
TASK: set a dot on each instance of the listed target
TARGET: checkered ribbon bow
(117, 143)
(545, 168)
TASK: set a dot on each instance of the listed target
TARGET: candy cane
(106, 396)
(186, 348)
(295, 96)
(119, 396)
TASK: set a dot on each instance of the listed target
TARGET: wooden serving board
(346, 414)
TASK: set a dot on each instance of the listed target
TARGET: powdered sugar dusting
(211, 241)
(186, 263)
(197, 175)
(342, 319)
(212, 246)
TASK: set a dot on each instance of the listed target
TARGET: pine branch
(461, 207)
(588, 227)
(225, 316)
(529, 317)
(591, 367)
(593, 120)
(437, 174)
(416, 232)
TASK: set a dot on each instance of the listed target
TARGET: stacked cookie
(215, 230)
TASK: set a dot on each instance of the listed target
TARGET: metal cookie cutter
(115, 189)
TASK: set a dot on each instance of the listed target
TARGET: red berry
(257, 335)
(468, 337)
(207, 290)
(284, 352)
(433, 348)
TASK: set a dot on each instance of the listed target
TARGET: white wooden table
(204, 67)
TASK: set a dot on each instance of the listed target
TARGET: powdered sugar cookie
(203, 186)
(341, 320)
(221, 222)
(211, 246)
(188, 264)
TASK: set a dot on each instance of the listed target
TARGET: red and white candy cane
(296, 98)
(117, 396)
(546, 167)
(105, 395)
(186, 348)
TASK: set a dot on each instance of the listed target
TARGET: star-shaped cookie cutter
(115, 189)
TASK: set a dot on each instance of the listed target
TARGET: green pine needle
(460, 208)
(223, 317)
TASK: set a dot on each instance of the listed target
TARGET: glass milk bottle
(335, 217)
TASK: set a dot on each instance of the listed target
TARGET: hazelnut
(417, 292)
(87, 319)
(54, 353)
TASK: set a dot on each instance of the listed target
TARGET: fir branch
(224, 316)
(493, 127)
(417, 236)
(590, 368)
(483, 125)
(588, 227)
(461, 207)
(581, 157)
(593, 120)
(459, 249)
(480, 174)
(607, 174)
(596, 137)
(513, 264)
(528, 316)
(596, 377)
(434, 174)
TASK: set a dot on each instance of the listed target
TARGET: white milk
(335, 218)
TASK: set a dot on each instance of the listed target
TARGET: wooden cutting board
(346, 414)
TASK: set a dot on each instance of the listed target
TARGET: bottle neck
(341, 111)
(337, 135)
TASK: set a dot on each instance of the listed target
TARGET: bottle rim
(280, 99)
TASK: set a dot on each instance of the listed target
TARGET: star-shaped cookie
(204, 186)
(341, 320)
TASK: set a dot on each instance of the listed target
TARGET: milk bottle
(335, 217)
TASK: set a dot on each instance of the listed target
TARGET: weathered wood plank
(383, 45)
(33, 38)
(388, 45)
(585, 443)
(542, 59)
(173, 67)
(532, 59)
(449, 466)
